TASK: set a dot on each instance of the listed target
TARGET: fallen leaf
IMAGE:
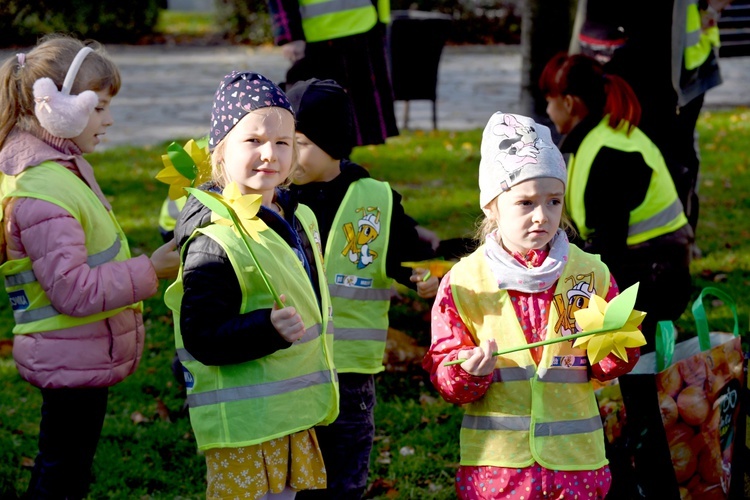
(138, 418)
(27, 463)
(162, 410)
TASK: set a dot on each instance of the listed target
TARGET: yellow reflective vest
(545, 414)
(170, 211)
(329, 19)
(355, 264)
(661, 211)
(285, 392)
(698, 42)
(105, 242)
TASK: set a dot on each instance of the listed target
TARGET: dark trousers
(347, 442)
(69, 432)
(687, 157)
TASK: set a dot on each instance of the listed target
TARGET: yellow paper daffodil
(245, 207)
(602, 342)
(185, 166)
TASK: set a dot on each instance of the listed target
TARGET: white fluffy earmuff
(59, 113)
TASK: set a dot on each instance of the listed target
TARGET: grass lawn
(147, 449)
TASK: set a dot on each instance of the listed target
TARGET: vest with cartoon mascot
(355, 266)
(547, 413)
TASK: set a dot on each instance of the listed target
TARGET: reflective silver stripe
(569, 427)
(29, 315)
(184, 355)
(486, 423)
(692, 38)
(349, 292)
(513, 374)
(94, 260)
(258, 390)
(360, 334)
(311, 333)
(661, 219)
(20, 278)
(565, 375)
(172, 209)
(331, 6)
(329, 327)
(104, 256)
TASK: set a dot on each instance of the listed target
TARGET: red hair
(603, 94)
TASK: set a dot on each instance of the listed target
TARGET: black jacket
(213, 330)
(324, 198)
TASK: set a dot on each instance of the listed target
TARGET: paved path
(167, 91)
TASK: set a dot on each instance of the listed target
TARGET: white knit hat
(516, 149)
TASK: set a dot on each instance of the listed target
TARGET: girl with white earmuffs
(74, 288)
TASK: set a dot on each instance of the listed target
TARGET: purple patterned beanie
(238, 94)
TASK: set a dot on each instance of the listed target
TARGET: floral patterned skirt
(254, 471)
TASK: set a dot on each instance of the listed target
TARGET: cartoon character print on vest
(359, 243)
(576, 298)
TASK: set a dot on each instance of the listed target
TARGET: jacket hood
(23, 150)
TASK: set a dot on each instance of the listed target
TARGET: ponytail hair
(50, 58)
(602, 93)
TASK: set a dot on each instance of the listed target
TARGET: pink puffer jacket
(97, 354)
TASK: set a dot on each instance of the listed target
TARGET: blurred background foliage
(22, 22)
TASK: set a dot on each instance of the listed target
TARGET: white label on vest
(18, 300)
(353, 281)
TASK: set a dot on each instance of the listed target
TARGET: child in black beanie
(365, 236)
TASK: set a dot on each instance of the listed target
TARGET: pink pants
(531, 483)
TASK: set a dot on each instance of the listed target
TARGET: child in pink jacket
(74, 289)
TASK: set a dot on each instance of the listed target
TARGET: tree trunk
(546, 30)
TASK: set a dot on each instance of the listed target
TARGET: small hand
(287, 322)
(427, 285)
(293, 51)
(166, 260)
(479, 361)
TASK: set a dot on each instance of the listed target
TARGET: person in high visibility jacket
(344, 41)
(365, 236)
(258, 369)
(621, 197)
(75, 290)
(531, 424)
(670, 57)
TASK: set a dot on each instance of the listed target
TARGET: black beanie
(324, 115)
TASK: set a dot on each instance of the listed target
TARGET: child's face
(258, 151)
(528, 215)
(99, 120)
(315, 165)
(559, 110)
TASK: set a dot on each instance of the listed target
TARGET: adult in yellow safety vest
(344, 41)
(620, 194)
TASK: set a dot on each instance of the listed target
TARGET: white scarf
(513, 275)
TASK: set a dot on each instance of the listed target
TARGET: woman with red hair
(621, 197)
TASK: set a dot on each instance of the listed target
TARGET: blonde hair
(50, 58)
(218, 172)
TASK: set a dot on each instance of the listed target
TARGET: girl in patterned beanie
(531, 427)
(259, 371)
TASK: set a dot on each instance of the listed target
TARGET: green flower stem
(538, 344)
(245, 236)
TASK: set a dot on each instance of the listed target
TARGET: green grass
(181, 23)
(147, 449)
